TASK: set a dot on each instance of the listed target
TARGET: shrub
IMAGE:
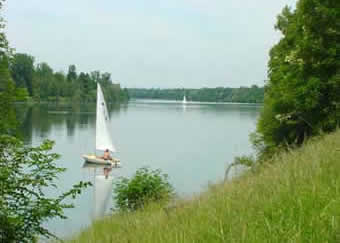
(145, 186)
(242, 163)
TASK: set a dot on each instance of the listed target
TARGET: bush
(242, 162)
(145, 186)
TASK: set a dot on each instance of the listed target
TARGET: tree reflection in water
(41, 119)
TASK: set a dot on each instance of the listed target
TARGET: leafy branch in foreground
(145, 186)
(25, 174)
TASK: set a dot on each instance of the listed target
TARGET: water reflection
(40, 120)
(102, 190)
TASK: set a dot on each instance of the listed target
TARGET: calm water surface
(192, 144)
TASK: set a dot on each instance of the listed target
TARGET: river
(193, 144)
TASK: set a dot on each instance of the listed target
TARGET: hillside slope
(295, 198)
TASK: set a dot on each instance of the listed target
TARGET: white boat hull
(115, 163)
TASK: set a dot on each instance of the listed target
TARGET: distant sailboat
(184, 100)
(103, 136)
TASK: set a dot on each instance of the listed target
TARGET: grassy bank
(295, 198)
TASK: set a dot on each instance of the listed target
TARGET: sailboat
(184, 100)
(103, 137)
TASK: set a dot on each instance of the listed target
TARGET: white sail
(103, 137)
(184, 100)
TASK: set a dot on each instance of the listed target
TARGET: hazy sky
(164, 43)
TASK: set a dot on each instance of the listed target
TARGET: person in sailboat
(106, 155)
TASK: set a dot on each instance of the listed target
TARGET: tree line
(253, 94)
(42, 83)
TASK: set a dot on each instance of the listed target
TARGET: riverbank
(294, 198)
(165, 101)
(63, 101)
(253, 94)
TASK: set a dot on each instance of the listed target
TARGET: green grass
(294, 198)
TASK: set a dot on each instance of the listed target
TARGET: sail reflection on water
(102, 195)
(102, 190)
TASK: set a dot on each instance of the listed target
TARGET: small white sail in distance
(103, 137)
(184, 100)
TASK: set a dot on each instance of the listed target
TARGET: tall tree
(302, 94)
(72, 73)
(85, 81)
(4, 47)
(7, 87)
(22, 69)
(43, 78)
(8, 122)
(60, 84)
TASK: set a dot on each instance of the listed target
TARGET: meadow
(295, 197)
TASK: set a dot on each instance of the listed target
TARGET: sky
(151, 43)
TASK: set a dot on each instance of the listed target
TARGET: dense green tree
(43, 77)
(72, 73)
(8, 122)
(4, 47)
(7, 97)
(8, 91)
(302, 93)
(95, 76)
(105, 79)
(85, 83)
(60, 84)
(22, 69)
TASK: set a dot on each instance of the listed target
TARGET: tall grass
(294, 198)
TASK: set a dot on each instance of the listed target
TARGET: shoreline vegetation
(30, 101)
(63, 101)
(294, 197)
(40, 83)
(253, 94)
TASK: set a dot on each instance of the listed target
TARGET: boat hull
(115, 163)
